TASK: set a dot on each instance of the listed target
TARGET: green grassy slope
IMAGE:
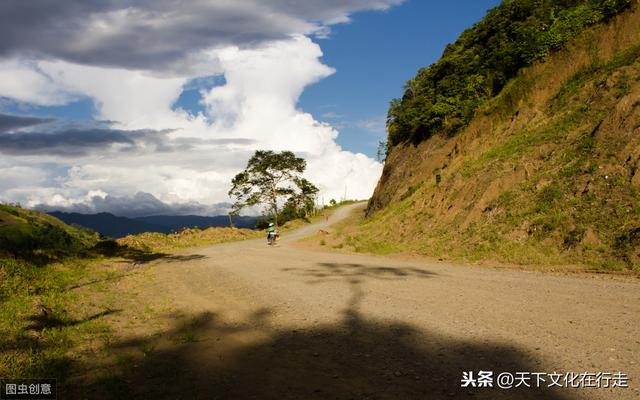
(55, 293)
(32, 234)
(40, 258)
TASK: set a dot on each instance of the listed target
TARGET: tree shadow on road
(355, 358)
(323, 272)
(42, 321)
(111, 248)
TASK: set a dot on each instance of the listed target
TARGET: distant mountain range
(115, 226)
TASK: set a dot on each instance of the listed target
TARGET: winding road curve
(290, 323)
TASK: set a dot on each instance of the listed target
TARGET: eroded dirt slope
(546, 173)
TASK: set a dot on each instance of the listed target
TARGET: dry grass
(155, 241)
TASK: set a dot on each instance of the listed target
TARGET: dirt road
(289, 323)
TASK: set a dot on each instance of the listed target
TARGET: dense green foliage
(445, 96)
(270, 178)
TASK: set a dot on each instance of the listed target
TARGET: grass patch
(363, 244)
(410, 191)
(185, 337)
(597, 72)
(520, 143)
(547, 197)
(40, 322)
(155, 241)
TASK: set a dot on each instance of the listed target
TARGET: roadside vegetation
(66, 294)
(40, 259)
(189, 237)
(55, 295)
(58, 304)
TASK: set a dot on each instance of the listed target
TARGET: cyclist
(271, 234)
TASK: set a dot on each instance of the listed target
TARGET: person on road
(271, 234)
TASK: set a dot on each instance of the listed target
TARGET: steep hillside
(544, 173)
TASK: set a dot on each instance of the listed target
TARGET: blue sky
(251, 74)
(374, 55)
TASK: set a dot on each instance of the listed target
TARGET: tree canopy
(445, 96)
(271, 179)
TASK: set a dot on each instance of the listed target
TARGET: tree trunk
(275, 213)
(275, 203)
(230, 221)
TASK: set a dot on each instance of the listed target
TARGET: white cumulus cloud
(181, 158)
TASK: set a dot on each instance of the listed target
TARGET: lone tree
(272, 178)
